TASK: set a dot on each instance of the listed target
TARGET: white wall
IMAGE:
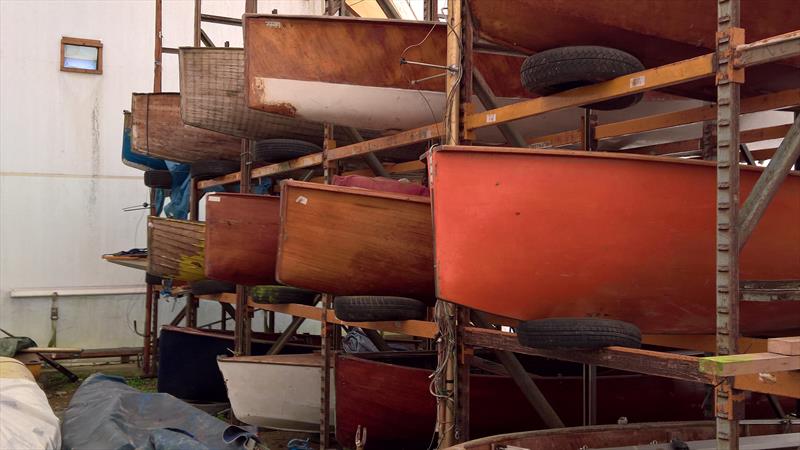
(62, 183)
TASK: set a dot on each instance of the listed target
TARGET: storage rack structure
(768, 372)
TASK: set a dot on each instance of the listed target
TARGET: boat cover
(107, 413)
(27, 419)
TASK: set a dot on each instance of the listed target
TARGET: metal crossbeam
(768, 183)
(768, 50)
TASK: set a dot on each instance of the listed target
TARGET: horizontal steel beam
(767, 50)
(210, 18)
(770, 291)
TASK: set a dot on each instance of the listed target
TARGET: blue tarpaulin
(107, 413)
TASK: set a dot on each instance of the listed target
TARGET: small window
(81, 55)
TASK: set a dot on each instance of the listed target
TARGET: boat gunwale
(315, 18)
(355, 191)
(275, 360)
(620, 155)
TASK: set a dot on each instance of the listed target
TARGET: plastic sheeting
(107, 413)
(27, 421)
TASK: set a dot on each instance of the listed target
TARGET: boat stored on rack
(158, 131)
(353, 241)
(403, 416)
(276, 391)
(640, 436)
(241, 237)
(213, 97)
(607, 235)
(175, 248)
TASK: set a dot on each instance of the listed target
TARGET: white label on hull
(303, 200)
(214, 198)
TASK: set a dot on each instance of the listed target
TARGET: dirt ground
(59, 392)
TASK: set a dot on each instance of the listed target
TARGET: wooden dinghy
(241, 238)
(175, 248)
(159, 131)
(213, 97)
(187, 359)
(353, 241)
(531, 234)
(338, 70)
(640, 436)
(388, 393)
(276, 391)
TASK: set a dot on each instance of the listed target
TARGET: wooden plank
(784, 345)
(731, 365)
(648, 362)
(383, 143)
(784, 384)
(680, 72)
(302, 162)
(704, 342)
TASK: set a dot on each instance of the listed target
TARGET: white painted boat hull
(280, 392)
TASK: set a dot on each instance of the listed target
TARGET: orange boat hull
(532, 234)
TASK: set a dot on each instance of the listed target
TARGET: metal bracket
(732, 37)
(452, 69)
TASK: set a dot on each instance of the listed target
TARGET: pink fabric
(381, 184)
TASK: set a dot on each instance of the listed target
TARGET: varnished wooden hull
(159, 131)
(389, 395)
(605, 436)
(351, 241)
(532, 234)
(276, 391)
(213, 98)
(241, 238)
(175, 248)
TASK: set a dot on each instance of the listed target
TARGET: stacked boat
(527, 235)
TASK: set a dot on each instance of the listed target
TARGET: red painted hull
(533, 234)
(393, 402)
(242, 238)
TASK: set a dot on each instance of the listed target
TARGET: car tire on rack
(564, 68)
(281, 295)
(160, 179)
(582, 333)
(203, 170)
(370, 308)
(279, 150)
(153, 279)
(209, 287)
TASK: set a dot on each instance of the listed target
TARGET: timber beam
(669, 365)
(750, 363)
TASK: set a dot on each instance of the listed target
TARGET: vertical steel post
(194, 215)
(147, 330)
(727, 400)
(154, 333)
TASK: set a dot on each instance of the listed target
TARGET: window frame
(84, 43)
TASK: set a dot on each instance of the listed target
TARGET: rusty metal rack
(774, 370)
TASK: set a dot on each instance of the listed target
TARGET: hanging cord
(410, 79)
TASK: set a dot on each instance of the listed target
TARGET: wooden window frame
(85, 43)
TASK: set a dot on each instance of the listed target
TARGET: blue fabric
(107, 413)
(136, 160)
(178, 207)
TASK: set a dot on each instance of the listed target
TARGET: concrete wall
(62, 183)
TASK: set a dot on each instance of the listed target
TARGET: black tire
(584, 333)
(279, 150)
(203, 170)
(208, 287)
(153, 279)
(378, 309)
(280, 295)
(560, 69)
(161, 179)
